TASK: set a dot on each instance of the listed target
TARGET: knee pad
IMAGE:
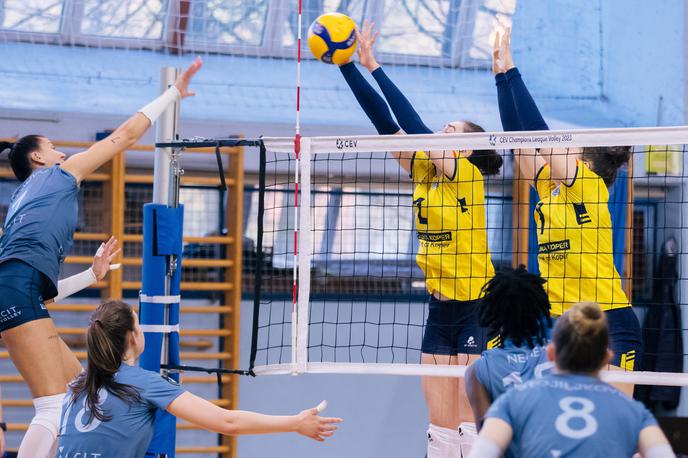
(467, 435)
(443, 442)
(48, 412)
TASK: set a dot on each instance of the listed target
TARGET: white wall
(645, 59)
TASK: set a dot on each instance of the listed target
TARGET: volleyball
(332, 38)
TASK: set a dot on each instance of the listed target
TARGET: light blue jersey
(499, 368)
(561, 416)
(129, 432)
(40, 224)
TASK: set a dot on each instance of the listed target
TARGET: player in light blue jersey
(109, 409)
(37, 236)
(571, 412)
(516, 308)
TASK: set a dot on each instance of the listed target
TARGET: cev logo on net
(344, 143)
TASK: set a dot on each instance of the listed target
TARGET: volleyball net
(341, 290)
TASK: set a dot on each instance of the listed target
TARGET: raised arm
(409, 120)
(207, 415)
(82, 164)
(517, 109)
(370, 101)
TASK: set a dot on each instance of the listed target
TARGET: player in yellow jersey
(449, 206)
(574, 226)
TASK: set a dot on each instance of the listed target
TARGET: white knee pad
(48, 412)
(467, 435)
(443, 442)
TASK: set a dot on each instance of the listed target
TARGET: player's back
(500, 368)
(563, 415)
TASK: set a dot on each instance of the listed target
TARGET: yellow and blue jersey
(451, 228)
(575, 248)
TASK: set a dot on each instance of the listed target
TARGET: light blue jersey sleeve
(159, 391)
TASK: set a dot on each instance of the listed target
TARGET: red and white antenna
(297, 151)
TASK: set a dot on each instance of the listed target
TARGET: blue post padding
(618, 204)
(168, 227)
(532, 234)
(162, 235)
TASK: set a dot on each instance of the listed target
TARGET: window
(31, 15)
(419, 27)
(427, 32)
(356, 9)
(229, 22)
(202, 211)
(141, 19)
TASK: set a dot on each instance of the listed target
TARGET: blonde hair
(581, 338)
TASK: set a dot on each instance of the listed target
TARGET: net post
(165, 131)
(161, 270)
(304, 257)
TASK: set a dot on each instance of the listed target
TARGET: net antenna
(332, 334)
(297, 154)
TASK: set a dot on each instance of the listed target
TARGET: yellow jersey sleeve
(543, 182)
(587, 186)
(422, 168)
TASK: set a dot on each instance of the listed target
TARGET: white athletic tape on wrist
(100, 250)
(157, 107)
(322, 406)
(160, 299)
(75, 283)
(485, 448)
(160, 328)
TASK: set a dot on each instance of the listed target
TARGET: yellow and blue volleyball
(332, 38)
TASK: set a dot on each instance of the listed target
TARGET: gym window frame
(471, 17)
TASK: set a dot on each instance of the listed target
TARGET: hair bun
(586, 317)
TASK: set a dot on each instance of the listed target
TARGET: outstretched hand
(182, 83)
(102, 261)
(366, 41)
(502, 61)
(312, 425)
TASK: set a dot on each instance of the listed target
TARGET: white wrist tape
(158, 106)
(485, 448)
(659, 451)
(75, 283)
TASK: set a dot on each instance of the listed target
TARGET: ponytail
(581, 338)
(20, 155)
(6, 146)
(106, 343)
(488, 161)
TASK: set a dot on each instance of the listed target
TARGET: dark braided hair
(515, 305)
(19, 155)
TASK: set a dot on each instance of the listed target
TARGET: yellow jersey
(450, 225)
(575, 249)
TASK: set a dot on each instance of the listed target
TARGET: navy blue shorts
(625, 337)
(21, 294)
(452, 328)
